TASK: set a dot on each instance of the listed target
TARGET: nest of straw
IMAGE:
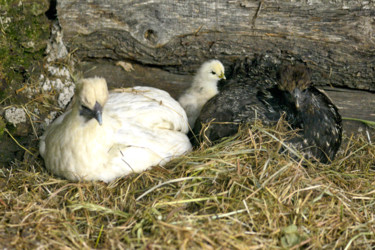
(240, 193)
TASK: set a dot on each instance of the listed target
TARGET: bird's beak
(98, 110)
(222, 76)
(297, 96)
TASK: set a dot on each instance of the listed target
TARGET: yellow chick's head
(92, 96)
(213, 69)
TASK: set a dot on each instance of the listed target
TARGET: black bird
(261, 89)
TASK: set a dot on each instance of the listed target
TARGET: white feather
(142, 127)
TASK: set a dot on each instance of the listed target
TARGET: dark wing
(321, 126)
(237, 104)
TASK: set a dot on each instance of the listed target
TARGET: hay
(240, 193)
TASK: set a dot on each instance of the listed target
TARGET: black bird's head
(294, 79)
(92, 97)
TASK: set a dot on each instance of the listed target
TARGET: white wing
(151, 130)
(147, 107)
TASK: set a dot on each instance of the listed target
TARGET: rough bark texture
(336, 38)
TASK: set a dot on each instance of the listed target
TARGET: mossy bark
(25, 31)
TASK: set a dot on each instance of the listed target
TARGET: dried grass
(238, 194)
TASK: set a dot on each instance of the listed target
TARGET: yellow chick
(203, 88)
(109, 135)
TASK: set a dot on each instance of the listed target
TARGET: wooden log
(354, 104)
(335, 38)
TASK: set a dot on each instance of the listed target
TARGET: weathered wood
(335, 38)
(140, 75)
(354, 104)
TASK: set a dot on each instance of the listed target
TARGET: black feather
(261, 89)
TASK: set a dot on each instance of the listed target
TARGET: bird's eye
(85, 111)
(213, 72)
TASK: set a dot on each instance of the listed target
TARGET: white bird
(203, 88)
(109, 135)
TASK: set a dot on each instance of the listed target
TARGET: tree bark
(335, 38)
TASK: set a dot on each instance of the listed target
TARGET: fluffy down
(203, 88)
(140, 127)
